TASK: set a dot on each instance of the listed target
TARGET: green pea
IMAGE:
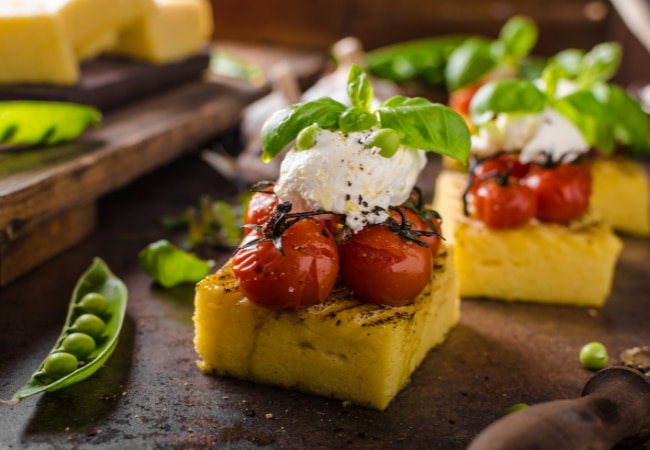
(89, 324)
(79, 344)
(62, 368)
(307, 137)
(94, 303)
(516, 407)
(59, 364)
(594, 356)
(386, 139)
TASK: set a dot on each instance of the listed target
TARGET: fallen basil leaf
(27, 122)
(170, 266)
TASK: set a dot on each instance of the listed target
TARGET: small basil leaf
(631, 126)
(600, 64)
(46, 123)
(284, 125)
(507, 96)
(569, 62)
(171, 266)
(590, 116)
(359, 89)
(424, 125)
(469, 62)
(356, 119)
(519, 36)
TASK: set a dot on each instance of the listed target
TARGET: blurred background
(319, 23)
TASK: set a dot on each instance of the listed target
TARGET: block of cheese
(343, 348)
(174, 30)
(621, 194)
(34, 47)
(92, 25)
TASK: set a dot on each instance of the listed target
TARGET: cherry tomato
(420, 224)
(261, 207)
(501, 164)
(384, 268)
(303, 276)
(460, 99)
(562, 191)
(504, 204)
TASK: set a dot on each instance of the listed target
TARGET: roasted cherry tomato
(460, 99)
(419, 223)
(384, 268)
(502, 203)
(499, 164)
(302, 275)
(261, 207)
(562, 191)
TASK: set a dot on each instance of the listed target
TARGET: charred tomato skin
(302, 275)
(504, 205)
(381, 267)
(562, 190)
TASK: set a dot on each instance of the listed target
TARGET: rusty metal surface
(150, 393)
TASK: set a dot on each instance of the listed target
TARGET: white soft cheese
(339, 175)
(538, 136)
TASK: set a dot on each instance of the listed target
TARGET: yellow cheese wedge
(541, 262)
(33, 45)
(342, 348)
(621, 194)
(175, 29)
(92, 25)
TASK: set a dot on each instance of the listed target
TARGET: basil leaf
(356, 119)
(518, 36)
(46, 123)
(631, 125)
(284, 125)
(569, 62)
(507, 96)
(421, 60)
(469, 62)
(171, 266)
(590, 116)
(427, 126)
(359, 89)
(600, 64)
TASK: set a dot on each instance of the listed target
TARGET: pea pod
(97, 279)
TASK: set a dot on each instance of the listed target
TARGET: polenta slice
(343, 348)
(542, 262)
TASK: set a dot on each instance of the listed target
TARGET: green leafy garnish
(421, 61)
(43, 123)
(418, 122)
(507, 96)
(478, 56)
(604, 113)
(170, 266)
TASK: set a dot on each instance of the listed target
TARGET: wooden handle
(615, 408)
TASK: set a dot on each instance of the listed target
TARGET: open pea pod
(25, 122)
(98, 279)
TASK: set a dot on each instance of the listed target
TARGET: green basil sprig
(26, 122)
(170, 265)
(477, 56)
(96, 313)
(421, 61)
(418, 122)
(604, 113)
